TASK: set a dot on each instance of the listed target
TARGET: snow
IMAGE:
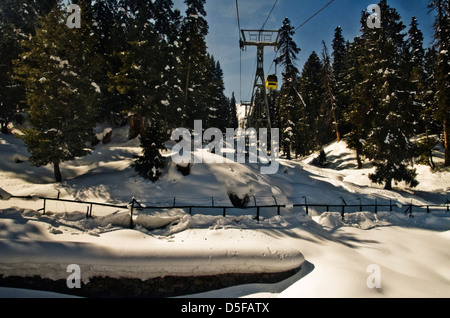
(334, 253)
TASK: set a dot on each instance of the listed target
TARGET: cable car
(272, 82)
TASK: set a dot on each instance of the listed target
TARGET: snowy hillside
(334, 254)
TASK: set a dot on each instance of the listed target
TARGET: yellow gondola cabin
(272, 82)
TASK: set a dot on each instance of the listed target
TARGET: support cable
(270, 13)
(315, 14)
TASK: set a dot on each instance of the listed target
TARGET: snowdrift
(334, 253)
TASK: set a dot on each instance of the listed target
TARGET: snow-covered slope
(412, 253)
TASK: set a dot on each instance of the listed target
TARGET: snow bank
(412, 252)
(31, 244)
(332, 221)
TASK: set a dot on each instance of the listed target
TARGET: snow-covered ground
(410, 255)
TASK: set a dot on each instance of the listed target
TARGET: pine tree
(415, 59)
(388, 141)
(415, 43)
(56, 69)
(232, 113)
(151, 163)
(357, 95)
(429, 114)
(338, 68)
(420, 90)
(329, 83)
(214, 102)
(109, 28)
(289, 98)
(273, 98)
(146, 77)
(312, 129)
(18, 20)
(194, 30)
(442, 36)
(167, 20)
(167, 27)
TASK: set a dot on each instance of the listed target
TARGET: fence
(344, 206)
(134, 206)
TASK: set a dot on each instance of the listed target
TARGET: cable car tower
(258, 113)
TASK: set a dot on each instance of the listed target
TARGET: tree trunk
(135, 126)
(188, 79)
(430, 160)
(358, 157)
(388, 185)
(57, 170)
(287, 150)
(446, 145)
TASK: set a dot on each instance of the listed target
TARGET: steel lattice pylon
(258, 114)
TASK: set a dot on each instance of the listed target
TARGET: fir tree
(18, 21)
(415, 44)
(338, 68)
(442, 36)
(151, 163)
(329, 82)
(273, 98)
(357, 95)
(167, 19)
(57, 69)
(415, 57)
(289, 98)
(146, 77)
(232, 113)
(311, 128)
(388, 141)
(430, 111)
(420, 90)
(214, 102)
(167, 27)
(110, 29)
(194, 29)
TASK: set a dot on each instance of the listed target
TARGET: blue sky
(223, 38)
